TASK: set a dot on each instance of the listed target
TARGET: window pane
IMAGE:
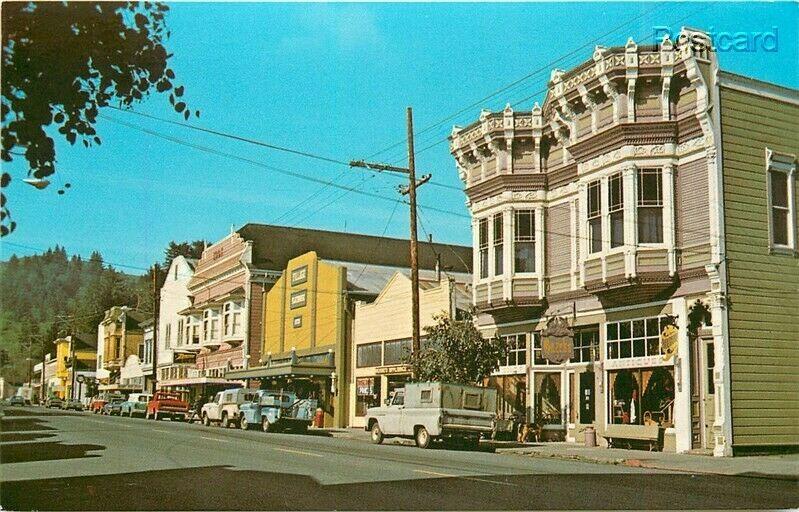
(524, 228)
(649, 187)
(498, 228)
(624, 330)
(652, 346)
(595, 229)
(652, 327)
(397, 352)
(638, 329)
(779, 226)
(617, 229)
(616, 193)
(368, 355)
(593, 199)
(779, 188)
(483, 232)
(625, 348)
(638, 348)
(650, 225)
(613, 331)
(483, 263)
(524, 257)
(498, 256)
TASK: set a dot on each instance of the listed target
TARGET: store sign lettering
(557, 341)
(299, 275)
(669, 341)
(298, 299)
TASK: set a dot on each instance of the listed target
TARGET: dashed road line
(299, 452)
(214, 439)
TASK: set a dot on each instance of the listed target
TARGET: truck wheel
(206, 421)
(377, 434)
(265, 425)
(225, 421)
(130, 414)
(422, 437)
(243, 423)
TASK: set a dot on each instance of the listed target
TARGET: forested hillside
(52, 294)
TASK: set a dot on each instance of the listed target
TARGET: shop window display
(642, 396)
(547, 398)
(367, 394)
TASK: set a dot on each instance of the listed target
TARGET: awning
(283, 370)
(193, 381)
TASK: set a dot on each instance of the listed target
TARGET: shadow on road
(37, 451)
(7, 437)
(23, 424)
(256, 490)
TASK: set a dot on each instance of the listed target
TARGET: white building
(174, 362)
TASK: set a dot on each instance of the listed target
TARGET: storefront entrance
(708, 393)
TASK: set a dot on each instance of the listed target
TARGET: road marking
(464, 477)
(159, 430)
(299, 452)
(215, 439)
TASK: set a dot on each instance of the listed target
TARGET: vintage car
(113, 406)
(53, 402)
(98, 402)
(167, 404)
(135, 405)
(427, 411)
(277, 411)
(17, 400)
(72, 404)
(224, 408)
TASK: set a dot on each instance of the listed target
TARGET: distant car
(17, 400)
(135, 405)
(113, 407)
(97, 403)
(72, 404)
(167, 404)
(53, 402)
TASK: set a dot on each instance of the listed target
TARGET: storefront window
(629, 405)
(635, 338)
(516, 350)
(397, 352)
(586, 346)
(368, 354)
(547, 398)
(367, 394)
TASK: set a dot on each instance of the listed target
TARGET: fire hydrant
(319, 418)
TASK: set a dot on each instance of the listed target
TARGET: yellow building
(308, 312)
(119, 335)
(75, 355)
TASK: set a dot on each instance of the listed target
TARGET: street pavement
(57, 460)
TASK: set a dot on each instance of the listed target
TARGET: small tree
(455, 351)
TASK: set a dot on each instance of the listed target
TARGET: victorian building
(119, 336)
(613, 211)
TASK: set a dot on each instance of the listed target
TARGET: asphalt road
(78, 461)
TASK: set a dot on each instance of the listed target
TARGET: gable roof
(274, 246)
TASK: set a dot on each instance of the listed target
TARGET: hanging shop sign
(557, 341)
(669, 341)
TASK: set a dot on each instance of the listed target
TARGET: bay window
(498, 245)
(594, 217)
(524, 241)
(616, 210)
(650, 206)
(483, 241)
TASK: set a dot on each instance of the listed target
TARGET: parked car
(276, 411)
(427, 411)
(135, 405)
(53, 402)
(97, 403)
(113, 406)
(72, 404)
(18, 400)
(224, 408)
(167, 404)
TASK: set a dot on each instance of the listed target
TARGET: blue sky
(334, 79)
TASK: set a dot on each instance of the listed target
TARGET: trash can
(590, 437)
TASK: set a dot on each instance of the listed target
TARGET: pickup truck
(427, 411)
(224, 408)
(277, 411)
(167, 404)
(135, 405)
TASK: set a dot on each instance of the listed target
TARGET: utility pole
(410, 191)
(155, 327)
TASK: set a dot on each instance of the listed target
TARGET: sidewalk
(775, 466)
(767, 466)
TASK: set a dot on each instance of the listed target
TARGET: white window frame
(782, 163)
(498, 244)
(661, 203)
(484, 264)
(589, 217)
(533, 212)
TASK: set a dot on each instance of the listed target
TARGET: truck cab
(277, 411)
(224, 409)
(429, 411)
(167, 404)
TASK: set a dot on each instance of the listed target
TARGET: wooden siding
(525, 288)
(764, 333)
(691, 197)
(558, 239)
(652, 261)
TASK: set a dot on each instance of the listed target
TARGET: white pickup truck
(224, 408)
(426, 411)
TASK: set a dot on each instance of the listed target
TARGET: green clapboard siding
(764, 303)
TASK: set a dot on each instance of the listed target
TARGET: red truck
(167, 404)
(97, 403)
